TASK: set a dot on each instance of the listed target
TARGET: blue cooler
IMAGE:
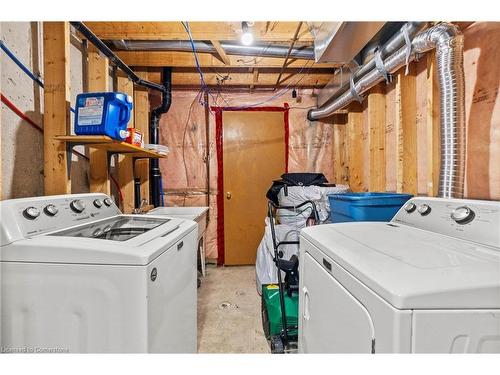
(103, 113)
(365, 206)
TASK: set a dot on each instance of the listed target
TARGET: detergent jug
(103, 113)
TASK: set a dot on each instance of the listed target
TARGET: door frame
(219, 136)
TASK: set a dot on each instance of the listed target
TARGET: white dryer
(426, 282)
(79, 276)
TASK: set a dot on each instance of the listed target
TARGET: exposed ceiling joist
(248, 79)
(186, 59)
(263, 31)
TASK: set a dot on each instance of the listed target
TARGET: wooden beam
(207, 60)
(125, 163)
(56, 45)
(354, 147)
(376, 138)
(255, 77)
(141, 117)
(433, 127)
(280, 31)
(220, 51)
(98, 81)
(246, 78)
(406, 131)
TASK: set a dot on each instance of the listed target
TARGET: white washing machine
(79, 276)
(426, 282)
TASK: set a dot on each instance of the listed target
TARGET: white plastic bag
(265, 268)
(299, 194)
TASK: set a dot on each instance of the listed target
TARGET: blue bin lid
(368, 196)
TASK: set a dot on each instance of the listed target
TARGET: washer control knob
(410, 207)
(98, 203)
(31, 213)
(424, 209)
(462, 215)
(77, 206)
(108, 202)
(50, 210)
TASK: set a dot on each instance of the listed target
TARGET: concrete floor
(229, 319)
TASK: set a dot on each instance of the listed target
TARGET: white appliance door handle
(305, 314)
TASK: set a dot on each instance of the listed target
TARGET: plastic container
(365, 206)
(103, 113)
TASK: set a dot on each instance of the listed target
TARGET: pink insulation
(183, 131)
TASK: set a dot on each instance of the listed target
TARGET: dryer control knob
(31, 213)
(108, 202)
(424, 209)
(462, 215)
(50, 210)
(98, 203)
(77, 206)
(410, 207)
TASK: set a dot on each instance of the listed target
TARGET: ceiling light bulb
(247, 38)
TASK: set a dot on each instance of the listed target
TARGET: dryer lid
(412, 268)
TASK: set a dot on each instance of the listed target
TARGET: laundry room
(210, 184)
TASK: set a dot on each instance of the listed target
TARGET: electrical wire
(206, 88)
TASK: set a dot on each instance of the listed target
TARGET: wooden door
(253, 156)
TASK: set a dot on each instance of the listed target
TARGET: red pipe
(18, 112)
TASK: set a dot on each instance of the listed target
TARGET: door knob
(228, 195)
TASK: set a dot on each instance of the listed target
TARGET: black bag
(294, 179)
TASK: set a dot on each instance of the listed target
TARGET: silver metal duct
(448, 42)
(392, 45)
(264, 50)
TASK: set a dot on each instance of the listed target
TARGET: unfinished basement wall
(21, 144)
(407, 155)
(182, 129)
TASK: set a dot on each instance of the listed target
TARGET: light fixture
(246, 36)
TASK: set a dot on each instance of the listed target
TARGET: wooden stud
(376, 138)
(98, 81)
(126, 163)
(340, 149)
(141, 115)
(406, 131)
(220, 51)
(433, 127)
(354, 146)
(56, 46)
(280, 31)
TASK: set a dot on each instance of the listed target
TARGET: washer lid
(413, 268)
(120, 240)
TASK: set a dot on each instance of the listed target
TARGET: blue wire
(205, 87)
(162, 193)
(23, 67)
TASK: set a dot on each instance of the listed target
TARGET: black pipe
(101, 46)
(154, 135)
(137, 193)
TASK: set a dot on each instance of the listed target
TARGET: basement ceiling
(219, 69)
